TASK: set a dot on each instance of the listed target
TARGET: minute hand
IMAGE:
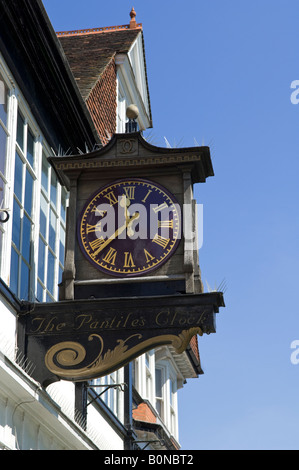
(118, 232)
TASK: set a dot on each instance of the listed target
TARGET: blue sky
(220, 73)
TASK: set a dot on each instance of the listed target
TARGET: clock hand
(124, 202)
(118, 232)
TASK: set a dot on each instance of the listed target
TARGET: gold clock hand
(124, 203)
(118, 232)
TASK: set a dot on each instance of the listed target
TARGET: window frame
(27, 169)
(28, 157)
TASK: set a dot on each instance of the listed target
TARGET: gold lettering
(149, 191)
(98, 212)
(130, 192)
(160, 207)
(129, 262)
(97, 243)
(148, 256)
(159, 240)
(111, 198)
(44, 326)
(85, 319)
(93, 228)
(162, 318)
(165, 223)
(110, 256)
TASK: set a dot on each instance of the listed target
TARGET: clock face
(130, 227)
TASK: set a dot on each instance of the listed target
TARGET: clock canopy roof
(129, 153)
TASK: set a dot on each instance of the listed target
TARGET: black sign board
(84, 339)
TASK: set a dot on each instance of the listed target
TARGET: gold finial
(133, 23)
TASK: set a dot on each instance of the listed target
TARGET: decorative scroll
(84, 340)
(61, 358)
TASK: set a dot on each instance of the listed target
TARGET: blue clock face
(130, 227)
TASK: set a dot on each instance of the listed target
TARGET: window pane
(41, 260)
(18, 177)
(26, 244)
(14, 271)
(43, 216)
(171, 391)
(147, 360)
(30, 148)
(50, 273)
(2, 187)
(20, 131)
(53, 188)
(24, 294)
(63, 205)
(159, 407)
(60, 275)
(3, 101)
(28, 192)
(40, 293)
(45, 168)
(62, 245)
(3, 141)
(16, 225)
(52, 230)
(159, 383)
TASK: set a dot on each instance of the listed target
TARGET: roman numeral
(111, 256)
(160, 208)
(93, 228)
(149, 191)
(98, 212)
(148, 256)
(129, 262)
(130, 192)
(111, 198)
(97, 243)
(161, 241)
(165, 223)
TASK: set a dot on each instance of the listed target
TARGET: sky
(220, 74)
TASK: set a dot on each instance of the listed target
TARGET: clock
(130, 227)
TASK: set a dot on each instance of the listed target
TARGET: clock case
(131, 156)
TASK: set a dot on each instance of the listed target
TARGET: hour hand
(130, 230)
(116, 234)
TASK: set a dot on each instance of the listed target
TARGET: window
(32, 242)
(4, 98)
(4, 134)
(149, 367)
(108, 386)
(173, 405)
(135, 373)
(52, 220)
(159, 376)
(21, 268)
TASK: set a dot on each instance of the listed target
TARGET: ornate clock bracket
(102, 322)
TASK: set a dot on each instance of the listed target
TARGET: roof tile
(89, 54)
